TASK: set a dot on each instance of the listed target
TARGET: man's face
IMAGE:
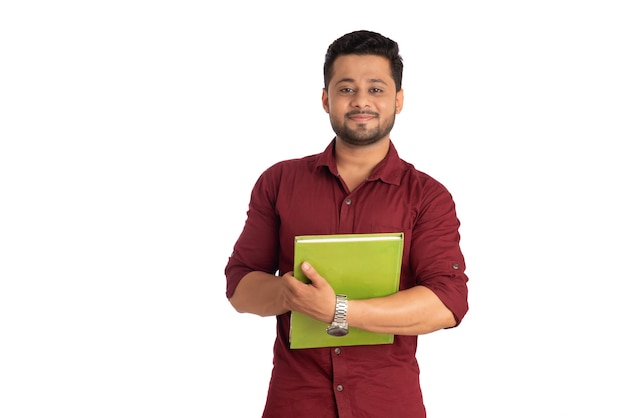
(361, 99)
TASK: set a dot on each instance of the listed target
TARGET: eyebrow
(351, 80)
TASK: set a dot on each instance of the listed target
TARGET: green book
(361, 266)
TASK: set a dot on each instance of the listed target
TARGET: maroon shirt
(307, 197)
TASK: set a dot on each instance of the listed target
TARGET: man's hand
(316, 299)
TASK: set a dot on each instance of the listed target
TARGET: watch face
(337, 331)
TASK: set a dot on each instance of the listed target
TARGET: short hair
(364, 42)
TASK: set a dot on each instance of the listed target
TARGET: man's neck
(355, 163)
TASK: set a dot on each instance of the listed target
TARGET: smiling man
(360, 97)
(359, 184)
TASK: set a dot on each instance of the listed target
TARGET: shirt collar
(388, 170)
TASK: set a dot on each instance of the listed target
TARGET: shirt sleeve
(256, 249)
(436, 256)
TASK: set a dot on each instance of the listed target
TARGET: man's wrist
(339, 326)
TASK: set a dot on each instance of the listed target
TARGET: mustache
(361, 112)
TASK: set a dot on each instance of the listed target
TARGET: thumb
(312, 274)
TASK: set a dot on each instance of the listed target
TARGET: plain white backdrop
(132, 132)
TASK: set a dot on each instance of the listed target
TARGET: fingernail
(306, 266)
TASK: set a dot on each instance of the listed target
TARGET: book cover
(361, 266)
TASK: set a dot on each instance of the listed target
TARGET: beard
(362, 135)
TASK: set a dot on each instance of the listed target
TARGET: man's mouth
(361, 116)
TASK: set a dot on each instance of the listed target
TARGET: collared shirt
(307, 197)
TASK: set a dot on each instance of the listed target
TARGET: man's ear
(325, 100)
(399, 101)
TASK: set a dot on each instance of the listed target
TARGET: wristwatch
(339, 326)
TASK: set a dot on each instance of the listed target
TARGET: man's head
(364, 42)
(362, 87)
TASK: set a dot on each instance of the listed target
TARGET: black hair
(364, 42)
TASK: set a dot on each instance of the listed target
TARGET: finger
(310, 272)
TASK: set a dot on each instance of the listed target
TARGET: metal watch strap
(341, 310)
(339, 326)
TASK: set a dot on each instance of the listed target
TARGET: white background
(132, 132)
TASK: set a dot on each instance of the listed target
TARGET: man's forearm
(259, 293)
(413, 311)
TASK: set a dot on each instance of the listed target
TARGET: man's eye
(346, 90)
(376, 90)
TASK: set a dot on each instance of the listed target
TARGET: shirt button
(455, 266)
(348, 201)
(339, 388)
(337, 350)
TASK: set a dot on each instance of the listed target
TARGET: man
(357, 185)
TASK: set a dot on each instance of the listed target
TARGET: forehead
(361, 67)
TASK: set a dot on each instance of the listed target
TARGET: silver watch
(339, 326)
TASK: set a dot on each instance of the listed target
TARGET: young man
(357, 185)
